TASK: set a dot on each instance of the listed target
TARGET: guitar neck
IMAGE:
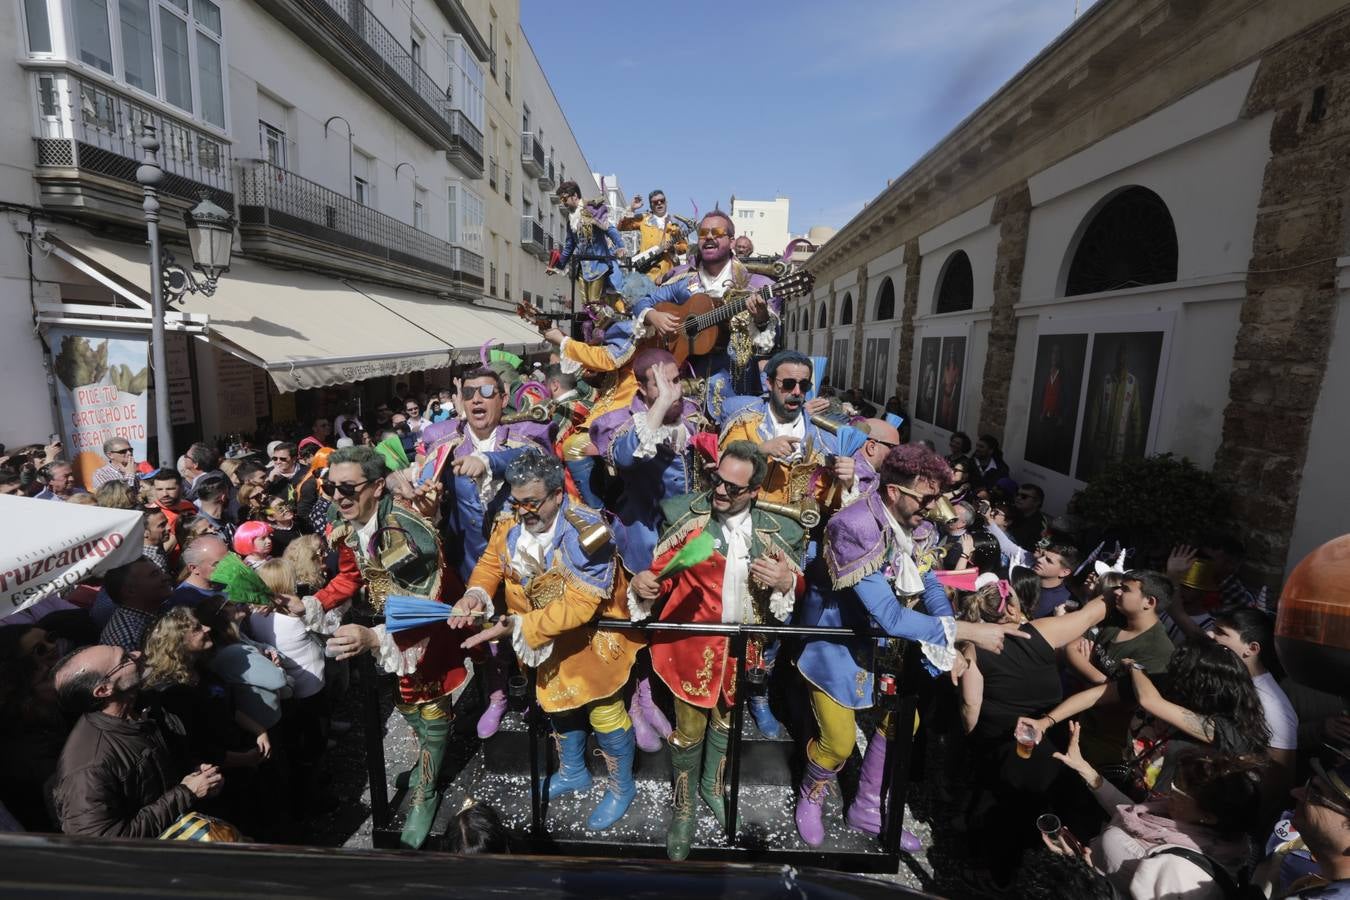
(727, 311)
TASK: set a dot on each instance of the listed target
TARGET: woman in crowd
(286, 525)
(1174, 847)
(997, 689)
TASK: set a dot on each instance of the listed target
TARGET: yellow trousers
(836, 729)
(691, 722)
(603, 716)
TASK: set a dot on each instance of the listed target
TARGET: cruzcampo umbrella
(241, 583)
(695, 550)
(391, 449)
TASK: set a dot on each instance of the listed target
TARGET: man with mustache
(650, 445)
(397, 552)
(752, 575)
(730, 369)
(557, 578)
(117, 776)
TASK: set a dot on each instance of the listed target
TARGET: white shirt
(300, 649)
(532, 550)
(1279, 713)
(365, 532)
(737, 533)
(716, 285)
(487, 485)
(660, 221)
(796, 428)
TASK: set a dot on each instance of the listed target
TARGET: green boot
(712, 786)
(686, 761)
(423, 797)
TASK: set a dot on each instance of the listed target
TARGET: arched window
(1129, 242)
(794, 320)
(846, 310)
(821, 319)
(956, 284)
(885, 302)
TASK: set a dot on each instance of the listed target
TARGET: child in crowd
(253, 541)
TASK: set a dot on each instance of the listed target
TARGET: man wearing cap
(1316, 836)
(121, 464)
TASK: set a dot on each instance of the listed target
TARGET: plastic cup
(1025, 736)
(1049, 825)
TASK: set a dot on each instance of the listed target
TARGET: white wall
(765, 222)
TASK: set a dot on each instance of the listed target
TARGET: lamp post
(210, 239)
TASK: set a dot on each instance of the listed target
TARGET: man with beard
(557, 578)
(730, 369)
(117, 776)
(864, 578)
(591, 237)
(398, 552)
(650, 445)
(659, 232)
(752, 575)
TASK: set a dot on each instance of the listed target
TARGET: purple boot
(646, 738)
(491, 719)
(647, 708)
(865, 813)
(811, 801)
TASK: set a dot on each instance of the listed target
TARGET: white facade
(765, 222)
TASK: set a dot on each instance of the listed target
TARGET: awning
(464, 327)
(306, 330)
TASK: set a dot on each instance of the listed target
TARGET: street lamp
(210, 239)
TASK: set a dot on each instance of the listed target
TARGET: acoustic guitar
(704, 320)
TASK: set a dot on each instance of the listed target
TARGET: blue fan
(818, 364)
(850, 440)
(404, 613)
(895, 421)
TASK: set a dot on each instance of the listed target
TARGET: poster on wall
(1056, 386)
(929, 352)
(950, 382)
(1119, 406)
(101, 388)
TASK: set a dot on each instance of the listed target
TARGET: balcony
(532, 158)
(549, 180)
(87, 153)
(352, 38)
(294, 220)
(532, 238)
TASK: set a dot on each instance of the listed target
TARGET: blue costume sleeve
(569, 247)
(892, 616)
(498, 460)
(675, 292)
(621, 451)
(935, 598)
(613, 234)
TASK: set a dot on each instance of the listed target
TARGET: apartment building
(390, 164)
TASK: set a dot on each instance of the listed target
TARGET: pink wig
(247, 534)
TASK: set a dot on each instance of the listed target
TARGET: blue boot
(764, 718)
(572, 774)
(618, 748)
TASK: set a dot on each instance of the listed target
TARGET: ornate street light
(211, 239)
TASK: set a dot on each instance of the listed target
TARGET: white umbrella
(48, 546)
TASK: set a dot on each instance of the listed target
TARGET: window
(492, 279)
(956, 285)
(846, 311)
(506, 176)
(839, 364)
(465, 209)
(39, 26)
(876, 363)
(821, 319)
(525, 118)
(885, 302)
(1129, 242)
(272, 141)
(492, 46)
(174, 57)
(746, 214)
(492, 172)
(506, 76)
(415, 45)
(420, 210)
(210, 78)
(92, 37)
(138, 44)
(361, 190)
(466, 81)
(506, 285)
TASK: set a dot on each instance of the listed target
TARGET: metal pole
(895, 780)
(532, 719)
(732, 801)
(149, 175)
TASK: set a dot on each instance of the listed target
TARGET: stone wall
(1012, 212)
(1288, 316)
(904, 357)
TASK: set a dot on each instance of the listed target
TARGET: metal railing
(88, 125)
(548, 180)
(276, 198)
(532, 157)
(395, 61)
(532, 237)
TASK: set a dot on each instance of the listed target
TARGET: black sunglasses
(347, 490)
(733, 490)
(883, 443)
(488, 391)
(791, 384)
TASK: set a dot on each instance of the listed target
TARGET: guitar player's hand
(758, 307)
(665, 323)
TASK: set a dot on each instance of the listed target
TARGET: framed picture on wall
(930, 351)
(951, 380)
(1118, 409)
(1057, 383)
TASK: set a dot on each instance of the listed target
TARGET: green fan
(696, 550)
(391, 449)
(241, 583)
(503, 356)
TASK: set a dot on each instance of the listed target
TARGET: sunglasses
(733, 490)
(705, 233)
(281, 459)
(348, 490)
(528, 506)
(887, 444)
(120, 452)
(924, 499)
(791, 384)
(486, 391)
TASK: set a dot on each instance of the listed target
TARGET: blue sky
(819, 102)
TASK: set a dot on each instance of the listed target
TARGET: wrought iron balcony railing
(532, 157)
(548, 180)
(272, 197)
(89, 126)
